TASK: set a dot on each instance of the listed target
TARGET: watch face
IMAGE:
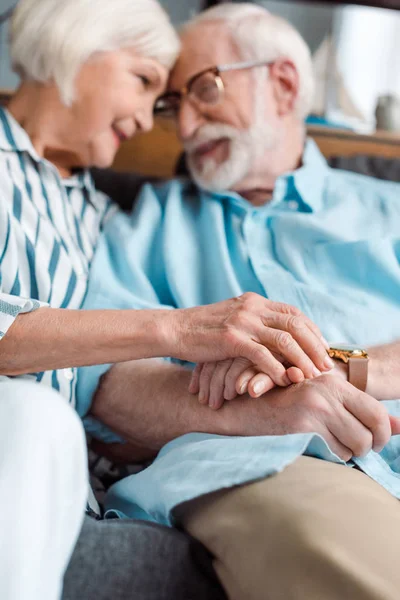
(344, 347)
(346, 351)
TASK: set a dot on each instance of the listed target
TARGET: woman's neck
(40, 112)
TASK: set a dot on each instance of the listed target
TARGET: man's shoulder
(364, 185)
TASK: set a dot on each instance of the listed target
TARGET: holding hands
(294, 350)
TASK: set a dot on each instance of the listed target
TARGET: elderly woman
(90, 74)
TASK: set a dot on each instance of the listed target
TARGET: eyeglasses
(203, 89)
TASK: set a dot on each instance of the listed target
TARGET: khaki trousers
(316, 531)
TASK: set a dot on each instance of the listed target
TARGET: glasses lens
(205, 89)
(167, 106)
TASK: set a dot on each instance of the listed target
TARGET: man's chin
(215, 178)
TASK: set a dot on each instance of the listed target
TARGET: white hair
(260, 35)
(50, 40)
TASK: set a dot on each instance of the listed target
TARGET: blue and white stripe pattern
(49, 228)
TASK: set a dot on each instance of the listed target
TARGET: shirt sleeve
(11, 307)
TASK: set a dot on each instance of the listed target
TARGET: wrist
(150, 333)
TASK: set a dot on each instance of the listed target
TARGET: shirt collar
(14, 138)
(309, 179)
(308, 182)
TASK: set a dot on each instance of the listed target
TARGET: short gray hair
(50, 40)
(260, 35)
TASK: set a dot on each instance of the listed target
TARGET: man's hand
(350, 421)
(264, 332)
(147, 403)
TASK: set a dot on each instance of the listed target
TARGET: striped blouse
(49, 228)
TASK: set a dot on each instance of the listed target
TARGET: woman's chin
(104, 161)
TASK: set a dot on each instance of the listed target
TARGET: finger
(259, 355)
(394, 424)
(281, 307)
(260, 384)
(299, 344)
(238, 366)
(295, 375)
(243, 380)
(194, 385)
(351, 432)
(281, 341)
(204, 381)
(336, 446)
(372, 414)
(217, 384)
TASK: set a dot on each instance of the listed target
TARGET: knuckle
(296, 323)
(293, 310)
(248, 299)
(287, 309)
(207, 370)
(283, 340)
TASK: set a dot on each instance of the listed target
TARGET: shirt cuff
(11, 307)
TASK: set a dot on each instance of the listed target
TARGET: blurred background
(356, 52)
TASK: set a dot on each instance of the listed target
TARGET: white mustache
(210, 133)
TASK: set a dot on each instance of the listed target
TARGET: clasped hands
(306, 398)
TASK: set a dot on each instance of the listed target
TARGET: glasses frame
(216, 70)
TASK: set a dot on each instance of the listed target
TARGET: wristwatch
(357, 361)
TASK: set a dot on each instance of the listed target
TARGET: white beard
(245, 149)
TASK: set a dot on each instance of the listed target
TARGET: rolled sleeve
(11, 307)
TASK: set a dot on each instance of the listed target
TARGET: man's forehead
(204, 45)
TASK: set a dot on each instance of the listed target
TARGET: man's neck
(258, 186)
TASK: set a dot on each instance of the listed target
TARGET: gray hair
(50, 40)
(260, 35)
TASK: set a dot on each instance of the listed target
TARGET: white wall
(368, 42)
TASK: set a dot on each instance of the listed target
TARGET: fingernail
(328, 362)
(258, 387)
(202, 398)
(243, 387)
(316, 372)
(286, 380)
(325, 343)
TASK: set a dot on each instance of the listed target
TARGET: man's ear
(285, 81)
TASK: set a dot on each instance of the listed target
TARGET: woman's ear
(285, 83)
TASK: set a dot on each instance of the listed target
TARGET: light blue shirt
(328, 243)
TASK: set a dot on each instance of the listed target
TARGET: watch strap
(358, 372)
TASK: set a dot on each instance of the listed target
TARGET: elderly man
(267, 215)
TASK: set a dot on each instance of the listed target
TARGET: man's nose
(189, 120)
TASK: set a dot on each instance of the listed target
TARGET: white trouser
(43, 489)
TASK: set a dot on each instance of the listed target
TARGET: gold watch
(357, 361)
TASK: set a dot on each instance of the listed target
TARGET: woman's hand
(216, 382)
(264, 332)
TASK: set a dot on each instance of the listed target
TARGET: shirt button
(68, 374)
(293, 204)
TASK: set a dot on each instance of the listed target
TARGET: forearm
(384, 371)
(148, 404)
(48, 339)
